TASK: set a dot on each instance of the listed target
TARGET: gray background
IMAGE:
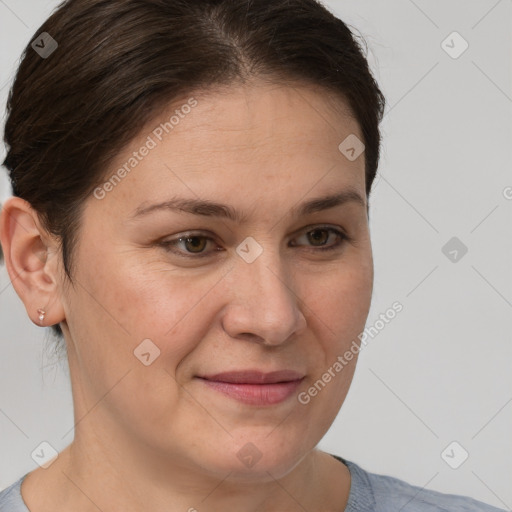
(440, 371)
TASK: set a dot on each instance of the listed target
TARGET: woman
(190, 212)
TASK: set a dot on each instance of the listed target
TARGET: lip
(255, 377)
(254, 387)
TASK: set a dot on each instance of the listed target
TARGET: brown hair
(118, 61)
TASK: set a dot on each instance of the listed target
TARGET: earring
(41, 313)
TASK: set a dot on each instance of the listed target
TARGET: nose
(264, 306)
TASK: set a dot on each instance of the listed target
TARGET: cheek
(339, 301)
(337, 306)
(138, 298)
(115, 306)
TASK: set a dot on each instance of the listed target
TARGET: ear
(32, 261)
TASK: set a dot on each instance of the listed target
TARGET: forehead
(227, 142)
(258, 113)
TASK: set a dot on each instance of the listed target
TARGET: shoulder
(382, 493)
(10, 498)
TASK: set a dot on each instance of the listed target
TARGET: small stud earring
(41, 313)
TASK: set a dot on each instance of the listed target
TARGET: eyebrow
(209, 208)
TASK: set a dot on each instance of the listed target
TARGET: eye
(193, 245)
(320, 235)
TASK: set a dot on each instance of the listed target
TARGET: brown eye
(188, 246)
(319, 236)
(196, 244)
(192, 245)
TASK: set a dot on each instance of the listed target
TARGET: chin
(258, 457)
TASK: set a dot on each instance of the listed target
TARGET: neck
(87, 477)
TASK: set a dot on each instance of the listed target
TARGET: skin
(150, 436)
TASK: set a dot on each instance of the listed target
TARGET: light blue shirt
(369, 492)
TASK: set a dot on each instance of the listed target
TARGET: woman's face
(269, 287)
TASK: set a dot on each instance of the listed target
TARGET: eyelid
(336, 230)
(340, 232)
(187, 234)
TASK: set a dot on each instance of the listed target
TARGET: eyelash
(342, 238)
